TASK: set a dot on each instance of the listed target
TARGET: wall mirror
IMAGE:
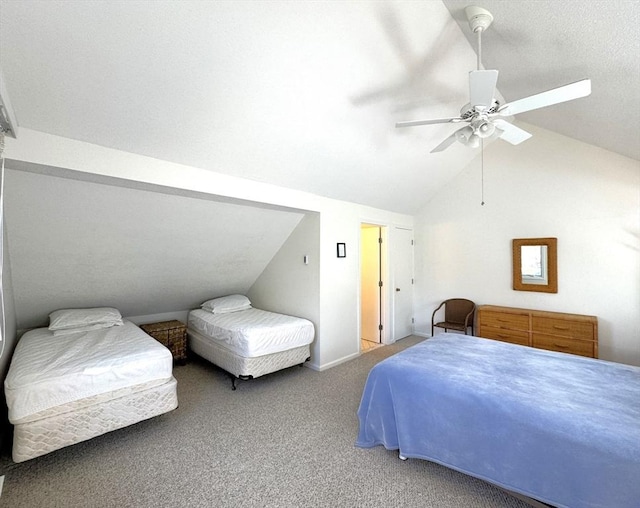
(535, 264)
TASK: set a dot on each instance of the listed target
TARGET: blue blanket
(559, 428)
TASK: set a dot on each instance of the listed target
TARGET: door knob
(397, 289)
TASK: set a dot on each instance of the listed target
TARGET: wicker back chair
(458, 315)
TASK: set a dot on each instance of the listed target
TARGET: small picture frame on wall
(342, 250)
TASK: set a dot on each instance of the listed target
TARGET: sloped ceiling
(306, 94)
(75, 243)
(299, 94)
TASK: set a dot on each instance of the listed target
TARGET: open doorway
(372, 272)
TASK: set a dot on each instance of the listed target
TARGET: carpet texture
(283, 440)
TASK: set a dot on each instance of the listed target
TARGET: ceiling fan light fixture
(468, 137)
(463, 135)
(485, 129)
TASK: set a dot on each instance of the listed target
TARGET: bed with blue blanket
(555, 427)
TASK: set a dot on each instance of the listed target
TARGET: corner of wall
(290, 285)
(8, 333)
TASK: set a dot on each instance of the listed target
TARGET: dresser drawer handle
(562, 346)
(558, 327)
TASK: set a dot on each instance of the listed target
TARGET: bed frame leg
(302, 364)
(235, 378)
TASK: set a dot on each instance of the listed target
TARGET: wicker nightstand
(173, 335)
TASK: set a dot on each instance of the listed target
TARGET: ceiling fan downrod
(479, 20)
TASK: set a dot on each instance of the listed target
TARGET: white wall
(340, 281)
(79, 244)
(288, 285)
(337, 338)
(9, 335)
(553, 186)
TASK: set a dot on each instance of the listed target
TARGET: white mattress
(48, 371)
(253, 332)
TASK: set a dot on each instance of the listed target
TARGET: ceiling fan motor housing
(479, 18)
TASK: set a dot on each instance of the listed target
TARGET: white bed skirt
(241, 366)
(81, 422)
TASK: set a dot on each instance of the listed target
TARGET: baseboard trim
(334, 363)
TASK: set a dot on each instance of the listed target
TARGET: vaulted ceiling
(306, 94)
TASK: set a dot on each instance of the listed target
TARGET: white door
(370, 319)
(402, 268)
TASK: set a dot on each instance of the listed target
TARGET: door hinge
(380, 327)
(411, 242)
(413, 321)
(380, 284)
(411, 281)
(380, 239)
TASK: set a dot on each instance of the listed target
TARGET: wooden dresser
(568, 333)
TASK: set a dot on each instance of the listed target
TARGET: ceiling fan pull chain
(482, 172)
(479, 32)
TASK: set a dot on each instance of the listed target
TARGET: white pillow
(225, 304)
(67, 319)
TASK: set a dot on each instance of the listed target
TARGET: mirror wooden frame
(552, 265)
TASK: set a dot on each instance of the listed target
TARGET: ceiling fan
(484, 114)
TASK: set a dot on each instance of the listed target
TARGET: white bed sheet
(253, 332)
(48, 371)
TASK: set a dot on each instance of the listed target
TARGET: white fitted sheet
(253, 332)
(48, 371)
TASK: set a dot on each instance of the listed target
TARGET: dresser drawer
(556, 331)
(510, 321)
(513, 336)
(564, 345)
(563, 328)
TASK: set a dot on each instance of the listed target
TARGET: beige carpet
(284, 440)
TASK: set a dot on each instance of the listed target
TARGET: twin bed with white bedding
(83, 379)
(90, 372)
(248, 342)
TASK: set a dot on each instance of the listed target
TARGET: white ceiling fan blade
(482, 86)
(548, 98)
(413, 123)
(447, 142)
(511, 133)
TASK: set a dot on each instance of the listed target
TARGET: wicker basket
(172, 334)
